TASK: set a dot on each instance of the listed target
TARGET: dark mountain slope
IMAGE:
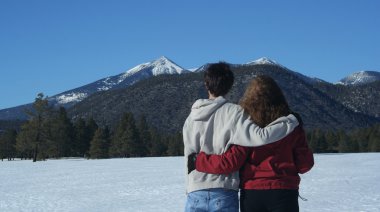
(166, 100)
(364, 98)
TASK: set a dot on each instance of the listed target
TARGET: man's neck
(211, 96)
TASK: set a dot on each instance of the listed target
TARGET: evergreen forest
(50, 133)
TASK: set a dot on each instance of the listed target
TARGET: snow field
(338, 182)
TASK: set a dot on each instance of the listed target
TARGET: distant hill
(360, 78)
(162, 65)
(164, 92)
(166, 100)
(361, 98)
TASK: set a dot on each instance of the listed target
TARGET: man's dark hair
(218, 78)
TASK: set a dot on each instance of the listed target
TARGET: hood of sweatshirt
(202, 109)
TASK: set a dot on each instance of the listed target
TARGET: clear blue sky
(51, 46)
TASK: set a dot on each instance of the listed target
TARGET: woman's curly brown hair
(264, 101)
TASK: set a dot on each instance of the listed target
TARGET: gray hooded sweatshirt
(213, 125)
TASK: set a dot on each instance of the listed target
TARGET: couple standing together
(259, 147)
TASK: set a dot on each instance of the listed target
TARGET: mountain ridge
(360, 78)
(164, 66)
(67, 99)
(159, 100)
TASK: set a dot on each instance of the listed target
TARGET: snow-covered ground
(338, 182)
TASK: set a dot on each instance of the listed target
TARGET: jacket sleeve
(226, 163)
(303, 156)
(249, 134)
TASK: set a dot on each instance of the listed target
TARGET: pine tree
(8, 144)
(126, 141)
(100, 144)
(343, 143)
(374, 139)
(347, 144)
(24, 145)
(3, 150)
(131, 143)
(159, 147)
(332, 141)
(83, 134)
(311, 141)
(145, 136)
(115, 149)
(91, 128)
(60, 135)
(33, 136)
(361, 137)
(78, 148)
(175, 145)
(318, 141)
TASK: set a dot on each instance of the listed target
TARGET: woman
(269, 179)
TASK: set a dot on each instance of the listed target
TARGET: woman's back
(276, 166)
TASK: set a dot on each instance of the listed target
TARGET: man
(212, 126)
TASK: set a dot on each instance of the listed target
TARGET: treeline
(49, 133)
(360, 140)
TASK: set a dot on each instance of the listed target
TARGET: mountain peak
(361, 77)
(163, 58)
(262, 61)
(162, 65)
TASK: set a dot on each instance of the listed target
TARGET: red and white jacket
(273, 166)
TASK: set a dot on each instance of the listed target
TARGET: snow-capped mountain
(201, 69)
(267, 61)
(162, 65)
(359, 78)
(263, 61)
(165, 66)
(157, 67)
